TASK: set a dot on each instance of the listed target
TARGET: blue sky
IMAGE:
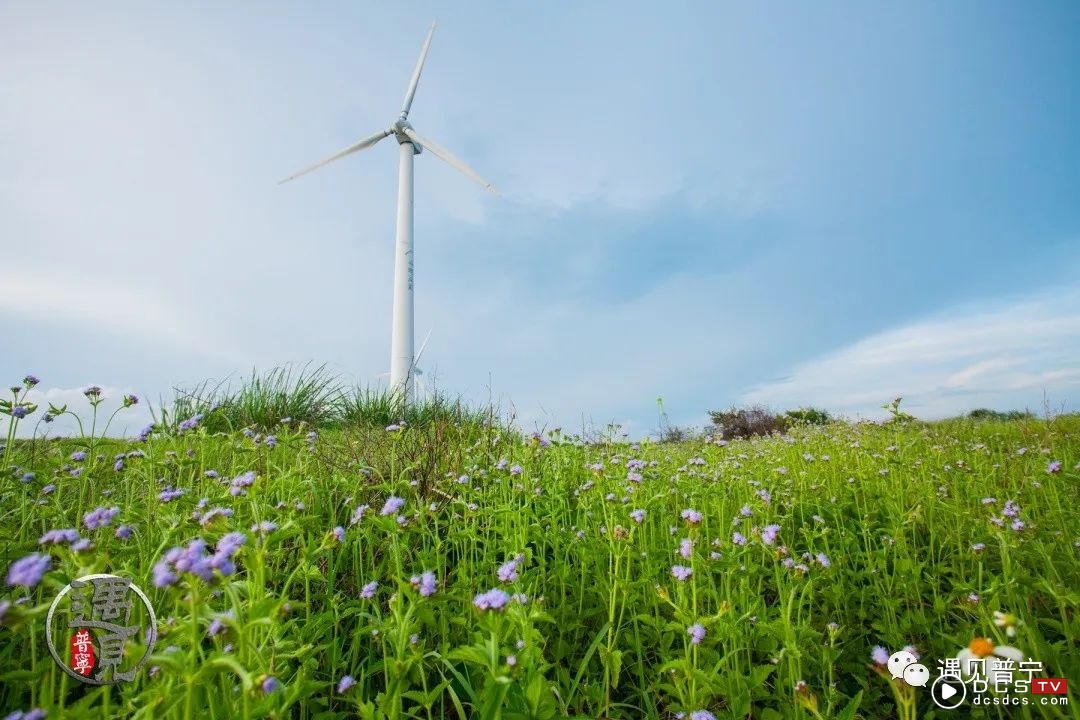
(828, 204)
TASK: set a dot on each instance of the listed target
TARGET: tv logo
(1049, 686)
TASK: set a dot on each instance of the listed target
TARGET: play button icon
(948, 693)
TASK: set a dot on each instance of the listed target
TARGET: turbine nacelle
(399, 130)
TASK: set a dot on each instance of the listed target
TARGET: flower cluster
(425, 583)
(508, 571)
(494, 599)
(29, 570)
(194, 560)
(100, 517)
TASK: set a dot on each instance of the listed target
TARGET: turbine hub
(398, 128)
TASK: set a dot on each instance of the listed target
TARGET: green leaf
(848, 713)
(471, 654)
(612, 661)
(759, 674)
(226, 662)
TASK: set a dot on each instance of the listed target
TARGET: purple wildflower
(823, 560)
(681, 572)
(230, 543)
(770, 533)
(19, 412)
(691, 516)
(78, 456)
(345, 684)
(48, 489)
(393, 504)
(702, 715)
(339, 533)
(696, 633)
(217, 626)
(124, 532)
(59, 537)
(516, 470)
(738, 538)
(266, 526)
(35, 714)
(686, 548)
(508, 571)
(368, 591)
(879, 655)
(28, 571)
(1017, 525)
(494, 599)
(746, 511)
(191, 423)
(978, 547)
(145, 433)
(426, 583)
(213, 513)
(638, 516)
(100, 517)
(358, 514)
(270, 684)
(169, 494)
(163, 574)
(1011, 509)
(30, 381)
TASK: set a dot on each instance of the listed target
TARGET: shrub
(747, 422)
(810, 416)
(988, 414)
(675, 434)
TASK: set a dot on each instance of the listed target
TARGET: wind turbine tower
(410, 144)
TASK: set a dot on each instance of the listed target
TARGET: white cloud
(1005, 357)
(123, 310)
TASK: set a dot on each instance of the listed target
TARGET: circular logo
(948, 693)
(102, 628)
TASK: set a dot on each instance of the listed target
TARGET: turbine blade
(355, 147)
(411, 92)
(450, 159)
(416, 360)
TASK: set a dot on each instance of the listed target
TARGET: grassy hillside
(453, 569)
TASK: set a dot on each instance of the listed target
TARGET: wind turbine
(402, 362)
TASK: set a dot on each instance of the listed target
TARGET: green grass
(895, 509)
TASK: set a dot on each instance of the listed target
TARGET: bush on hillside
(748, 422)
(810, 416)
(988, 414)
